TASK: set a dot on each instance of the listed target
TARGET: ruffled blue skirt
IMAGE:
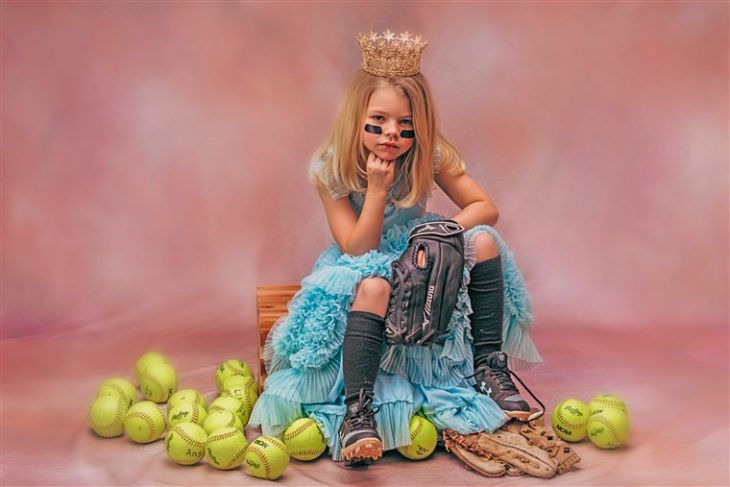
(303, 352)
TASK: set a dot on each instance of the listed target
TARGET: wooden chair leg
(271, 304)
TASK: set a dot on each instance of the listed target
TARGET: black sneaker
(493, 379)
(358, 435)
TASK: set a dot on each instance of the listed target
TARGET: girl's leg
(361, 359)
(364, 336)
(486, 292)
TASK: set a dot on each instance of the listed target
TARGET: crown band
(390, 55)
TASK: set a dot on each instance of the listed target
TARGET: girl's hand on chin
(381, 173)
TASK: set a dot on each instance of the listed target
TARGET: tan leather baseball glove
(515, 449)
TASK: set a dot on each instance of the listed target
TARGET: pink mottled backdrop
(154, 161)
(154, 155)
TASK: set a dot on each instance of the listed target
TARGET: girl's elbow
(350, 248)
(355, 251)
(355, 248)
(493, 216)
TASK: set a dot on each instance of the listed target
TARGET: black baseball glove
(424, 291)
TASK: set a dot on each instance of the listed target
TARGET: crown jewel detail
(391, 54)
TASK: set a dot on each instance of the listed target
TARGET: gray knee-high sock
(486, 291)
(361, 353)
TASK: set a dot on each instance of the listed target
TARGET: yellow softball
(116, 386)
(149, 358)
(221, 418)
(570, 418)
(158, 382)
(185, 443)
(241, 381)
(225, 448)
(186, 395)
(186, 412)
(144, 422)
(106, 416)
(230, 403)
(608, 428)
(231, 367)
(304, 440)
(602, 401)
(423, 439)
(266, 458)
(247, 397)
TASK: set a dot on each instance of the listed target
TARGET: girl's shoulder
(447, 158)
(321, 173)
(437, 158)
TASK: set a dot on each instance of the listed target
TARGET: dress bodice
(393, 214)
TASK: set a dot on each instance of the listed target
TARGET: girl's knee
(375, 288)
(486, 247)
(372, 295)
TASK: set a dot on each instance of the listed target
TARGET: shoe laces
(506, 372)
(366, 412)
(502, 376)
(504, 379)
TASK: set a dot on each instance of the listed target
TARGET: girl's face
(391, 111)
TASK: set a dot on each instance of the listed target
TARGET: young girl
(327, 358)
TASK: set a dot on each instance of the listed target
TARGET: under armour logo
(486, 390)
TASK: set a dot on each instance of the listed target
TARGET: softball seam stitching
(223, 436)
(564, 421)
(156, 383)
(117, 418)
(296, 453)
(608, 424)
(288, 435)
(188, 439)
(278, 444)
(238, 457)
(417, 432)
(145, 417)
(119, 389)
(264, 460)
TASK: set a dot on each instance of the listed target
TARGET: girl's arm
(355, 235)
(359, 235)
(477, 208)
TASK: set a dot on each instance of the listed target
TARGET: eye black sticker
(374, 129)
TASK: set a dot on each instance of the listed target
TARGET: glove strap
(439, 228)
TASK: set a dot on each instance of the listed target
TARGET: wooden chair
(271, 304)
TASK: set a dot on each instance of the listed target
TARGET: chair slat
(271, 305)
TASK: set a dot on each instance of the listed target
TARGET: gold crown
(390, 55)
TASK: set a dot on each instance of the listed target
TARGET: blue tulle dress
(303, 353)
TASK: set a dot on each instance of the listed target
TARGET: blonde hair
(341, 160)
